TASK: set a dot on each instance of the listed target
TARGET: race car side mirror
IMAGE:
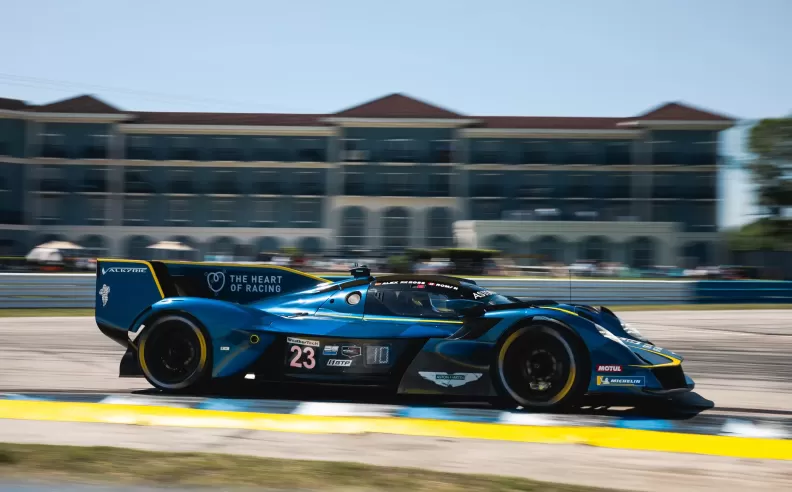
(466, 307)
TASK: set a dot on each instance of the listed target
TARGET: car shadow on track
(680, 407)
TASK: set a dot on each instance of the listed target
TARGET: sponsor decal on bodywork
(377, 355)
(339, 362)
(451, 380)
(642, 345)
(609, 368)
(105, 271)
(105, 293)
(330, 350)
(302, 341)
(621, 381)
(351, 351)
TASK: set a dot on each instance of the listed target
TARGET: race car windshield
(487, 297)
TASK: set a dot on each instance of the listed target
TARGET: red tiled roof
(397, 106)
(12, 104)
(549, 122)
(681, 112)
(85, 104)
(241, 119)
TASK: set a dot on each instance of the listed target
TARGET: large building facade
(389, 174)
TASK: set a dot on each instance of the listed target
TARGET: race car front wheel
(174, 354)
(541, 366)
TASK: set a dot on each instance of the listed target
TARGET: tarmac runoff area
(739, 360)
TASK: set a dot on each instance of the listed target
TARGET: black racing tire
(541, 366)
(175, 354)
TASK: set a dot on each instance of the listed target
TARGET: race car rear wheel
(541, 366)
(174, 354)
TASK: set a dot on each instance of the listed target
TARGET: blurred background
(230, 134)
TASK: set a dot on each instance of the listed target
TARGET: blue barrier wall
(741, 292)
(25, 290)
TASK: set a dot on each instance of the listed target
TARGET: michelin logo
(105, 293)
(451, 380)
(105, 271)
(621, 381)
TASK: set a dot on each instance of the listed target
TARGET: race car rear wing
(126, 288)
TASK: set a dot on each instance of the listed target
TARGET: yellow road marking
(737, 447)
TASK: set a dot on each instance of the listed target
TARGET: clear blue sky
(520, 57)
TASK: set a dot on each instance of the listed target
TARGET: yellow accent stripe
(412, 320)
(559, 309)
(140, 262)
(246, 265)
(338, 315)
(736, 447)
(674, 360)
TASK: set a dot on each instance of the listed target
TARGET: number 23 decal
(307, 362)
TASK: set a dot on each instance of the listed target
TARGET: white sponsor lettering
(264, 284)
(451, 380)
(105, 271)
(216, 281)
(609, 368)
(301, 341)
(339, 362)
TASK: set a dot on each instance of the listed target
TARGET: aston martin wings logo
(450, 380)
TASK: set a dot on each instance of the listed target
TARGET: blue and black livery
(185, 324)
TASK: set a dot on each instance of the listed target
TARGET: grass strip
(44, 463)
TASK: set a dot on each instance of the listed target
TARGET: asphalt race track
(739, 360)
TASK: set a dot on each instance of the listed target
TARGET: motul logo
(602, 368)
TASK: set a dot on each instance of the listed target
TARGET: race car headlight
(607, 334)
(633, 332)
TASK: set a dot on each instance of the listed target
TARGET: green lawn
(119, 466)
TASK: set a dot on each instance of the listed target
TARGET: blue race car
(187, 324)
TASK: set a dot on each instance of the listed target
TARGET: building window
(399, 150)
(51, 208)
(440, 184)
(225, 149)
(182, 149)
(441, 151)
(487, 185)
(354, 150)
(178, 211)
(181, 182)
(5, 148)
(399, 184)
(224, 183)
(354, 184)
(96, 209)
(580, 186)
(53, 179)
(53, 145)
(439, 225)
(396, 229)
(617, 153)
(486, 209)
(534, 152)
(137, 181)
(307, 213)
(267, 149)
(534, 185)
(134, 210)
(268, 183)
(310, 150)
(617, 185)
(264, 212)
(487, 152)
(353, 228)
(139, 147)
(97, 149)
(222, 211)
(94, 180)
(579, 152)
(309, 183)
